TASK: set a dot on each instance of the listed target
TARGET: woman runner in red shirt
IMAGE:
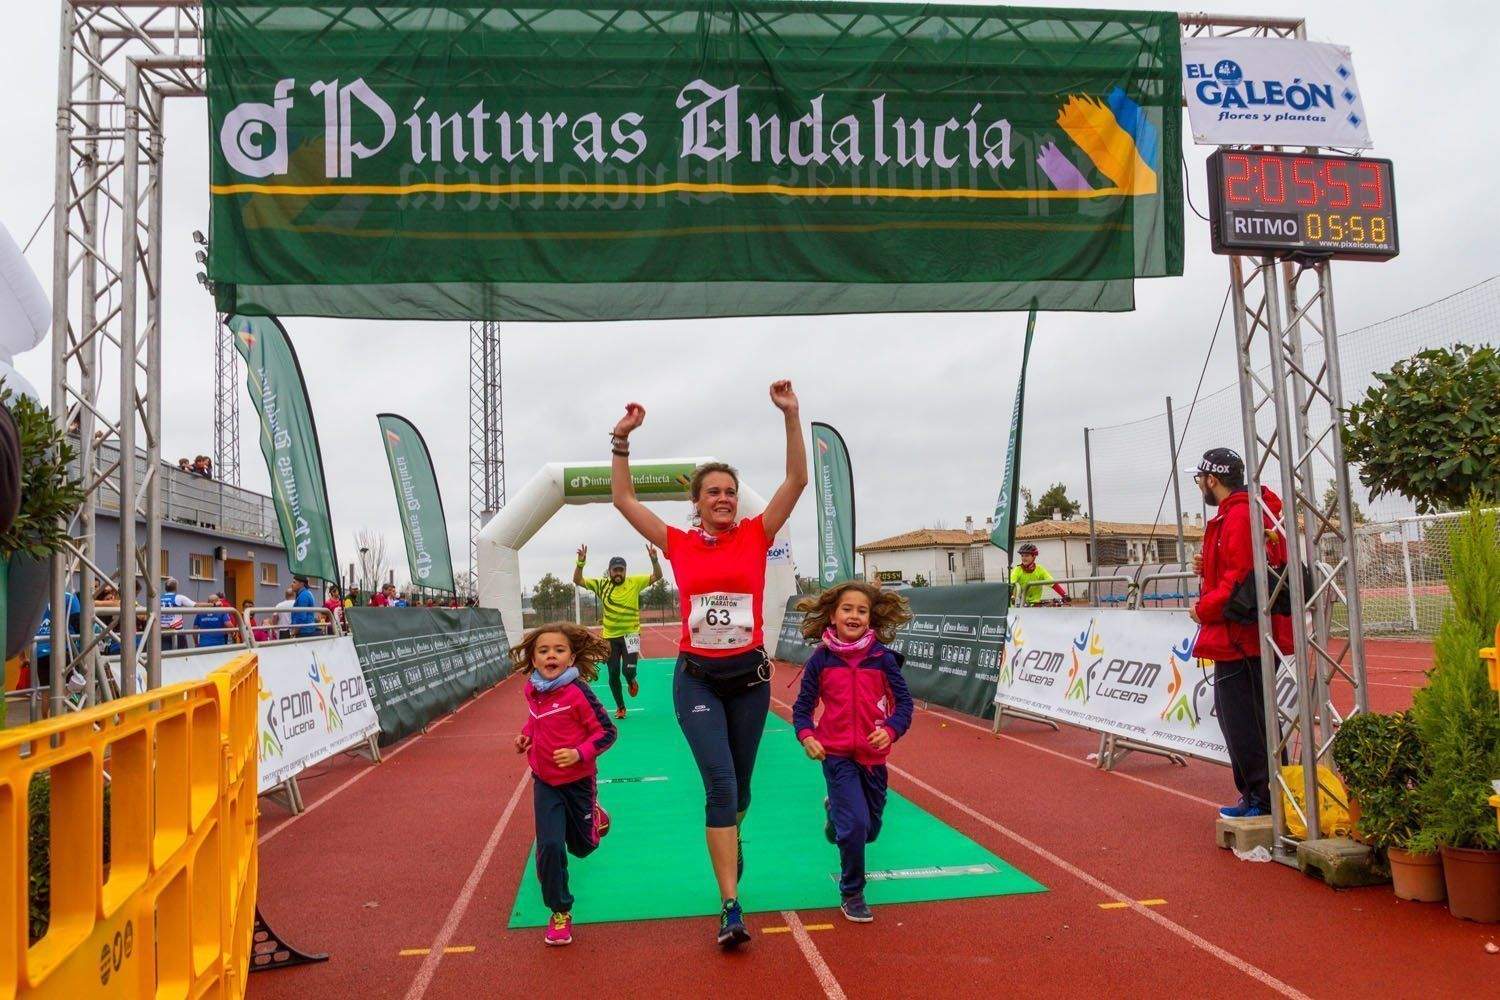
(721, 686)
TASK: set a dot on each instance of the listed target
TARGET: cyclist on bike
(1026, 580)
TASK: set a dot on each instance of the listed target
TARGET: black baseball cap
(1222, 462)
(617, 561)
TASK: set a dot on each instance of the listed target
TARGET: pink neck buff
(854, 651)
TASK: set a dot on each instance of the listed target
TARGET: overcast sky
(923, 400)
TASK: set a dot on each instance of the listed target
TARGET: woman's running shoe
(559, 929)
(619, 713)
(601, 822)
(635, 688)
(856, 909)
(732, 932)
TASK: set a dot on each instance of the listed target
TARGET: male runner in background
(620, 605)
(1026, 579)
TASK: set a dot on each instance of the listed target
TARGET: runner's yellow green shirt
(622, 603)
(1028, 586)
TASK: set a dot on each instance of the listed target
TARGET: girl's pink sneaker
(559, 929)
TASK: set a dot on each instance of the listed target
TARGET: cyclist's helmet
(1027, 549)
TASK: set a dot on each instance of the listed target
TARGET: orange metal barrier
(171, 912)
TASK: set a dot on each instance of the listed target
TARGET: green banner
(614, 159)
(419, 503)
(422, 663)
(952, 644)
(658, 479)
(834, 480)
(1004, 531)
(289, 441)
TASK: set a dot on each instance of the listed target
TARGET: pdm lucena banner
(616, 159)
(951, 645)
(423, 525)
(289, 442)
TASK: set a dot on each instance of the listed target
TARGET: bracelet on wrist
(621, 452)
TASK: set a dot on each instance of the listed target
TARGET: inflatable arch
(560, 484)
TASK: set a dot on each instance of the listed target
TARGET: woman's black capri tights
(723, 729)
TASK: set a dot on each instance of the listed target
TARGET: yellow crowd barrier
(171, 910)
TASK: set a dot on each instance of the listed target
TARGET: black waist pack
(730, 675)
(1242, 603)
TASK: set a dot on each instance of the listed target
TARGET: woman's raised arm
(622, 489)
(787, 494)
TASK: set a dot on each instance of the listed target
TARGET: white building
(942, 556)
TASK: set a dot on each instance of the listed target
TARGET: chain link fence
(1401, 555)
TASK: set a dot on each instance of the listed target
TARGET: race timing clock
(1299, 204)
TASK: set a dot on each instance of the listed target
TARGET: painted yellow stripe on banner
(690, 187)
(1142, 902)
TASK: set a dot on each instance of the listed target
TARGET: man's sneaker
(828, 830)
(1244, 809)
(635, 688)
(601, 822)
(559, 929)
(856, 909)
(732, 932)
(620, 713)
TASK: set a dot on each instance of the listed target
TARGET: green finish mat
(654, 863)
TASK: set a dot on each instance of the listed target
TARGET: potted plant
(50, 495)
(1380, 759)
(1459, 724)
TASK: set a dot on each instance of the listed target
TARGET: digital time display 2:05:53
(1295, 203)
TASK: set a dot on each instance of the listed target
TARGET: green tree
(552, 597)
(1330, 501)
(1055, 499)
(1429, 428)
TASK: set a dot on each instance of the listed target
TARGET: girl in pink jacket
(866, 708)
(565, 732)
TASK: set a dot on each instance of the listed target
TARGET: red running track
(426, 850)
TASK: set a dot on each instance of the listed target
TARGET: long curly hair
(588, 649)
(888, 610)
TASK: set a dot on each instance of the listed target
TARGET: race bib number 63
(721, 621)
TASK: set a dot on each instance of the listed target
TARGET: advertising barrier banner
(952, 644)
(629, 159)
(313, 701)
(1272, 92)
(1126, 672)
(422, 663)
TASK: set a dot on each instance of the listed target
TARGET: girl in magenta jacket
(565, 732)
(866, 708)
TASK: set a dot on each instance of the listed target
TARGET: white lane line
(1196, 940)
(831, 987)
(1074, 760)
(465, 895)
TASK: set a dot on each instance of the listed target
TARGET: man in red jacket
(1227, 558)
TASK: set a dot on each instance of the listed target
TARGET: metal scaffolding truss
(486, 433)
(226, 405)
(117, 64)
(1291, 405)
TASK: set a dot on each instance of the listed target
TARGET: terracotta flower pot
(1417, 877)
(1473, 880)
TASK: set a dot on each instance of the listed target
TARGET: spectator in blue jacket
(304, 622)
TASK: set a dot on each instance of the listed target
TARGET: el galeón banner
(609, 159)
